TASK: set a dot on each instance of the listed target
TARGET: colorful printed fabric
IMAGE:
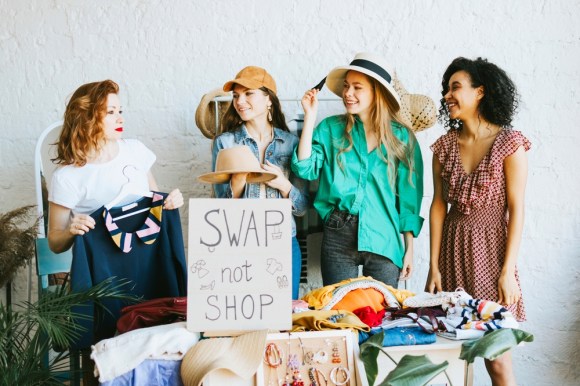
(148, 231)
(477, 314)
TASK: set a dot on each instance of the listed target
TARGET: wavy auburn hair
(231, 120)
(82, 132)
(382, 112)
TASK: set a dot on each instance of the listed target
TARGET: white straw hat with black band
(368, 64)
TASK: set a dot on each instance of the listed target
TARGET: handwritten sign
(240, 265)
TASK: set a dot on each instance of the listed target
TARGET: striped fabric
(484, 315)
(148, 231)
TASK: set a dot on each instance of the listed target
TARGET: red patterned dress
(475, 229)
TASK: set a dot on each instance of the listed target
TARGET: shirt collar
(241, 135)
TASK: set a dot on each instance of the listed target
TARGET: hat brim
(224, 176)
(247, 83)
(202, 111)
(335, 81)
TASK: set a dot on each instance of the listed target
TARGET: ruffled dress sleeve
(468, 191)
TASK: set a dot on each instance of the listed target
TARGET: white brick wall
(166, 54)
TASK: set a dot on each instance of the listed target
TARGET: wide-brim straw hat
(205, 114)
(418, 112)
(237, 159)
(241, 355)
(368, 64)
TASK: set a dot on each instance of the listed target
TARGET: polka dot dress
(475, 229)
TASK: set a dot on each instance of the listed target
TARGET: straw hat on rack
(205, 114)
(417, 111)
(237, 159)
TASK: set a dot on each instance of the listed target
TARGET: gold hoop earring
(269, 113)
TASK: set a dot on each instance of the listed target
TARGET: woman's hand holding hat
(280, 183)
(310, 102)
(238, 184)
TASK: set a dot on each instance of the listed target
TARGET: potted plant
(419, 370)
(17, 235)
(30, 330)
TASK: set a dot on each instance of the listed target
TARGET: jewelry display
(327, 359)
(339, 375)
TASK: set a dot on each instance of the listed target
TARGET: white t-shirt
(86, 188)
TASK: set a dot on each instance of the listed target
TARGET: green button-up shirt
(362, 186)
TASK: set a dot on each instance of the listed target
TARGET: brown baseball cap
(252, 77)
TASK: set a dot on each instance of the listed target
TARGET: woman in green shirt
(371, 175)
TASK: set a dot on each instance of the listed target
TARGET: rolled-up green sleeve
(410, 192)
(309, 168)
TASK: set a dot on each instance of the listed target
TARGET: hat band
(372, 67)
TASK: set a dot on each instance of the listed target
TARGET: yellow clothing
(328, 296)
(320, 320)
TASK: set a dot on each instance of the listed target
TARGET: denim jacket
(279, 152)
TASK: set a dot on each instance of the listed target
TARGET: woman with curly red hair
(94, 161)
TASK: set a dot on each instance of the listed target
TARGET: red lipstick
(119, 129)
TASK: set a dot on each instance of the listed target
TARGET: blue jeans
(296, 267)
(340, 257)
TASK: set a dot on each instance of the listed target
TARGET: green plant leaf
(414, 370)
(369, 352)
(493, 344)
(29, 330)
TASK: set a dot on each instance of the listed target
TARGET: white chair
(48, 262)
(43, 169)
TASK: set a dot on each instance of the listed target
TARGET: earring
(269, 113)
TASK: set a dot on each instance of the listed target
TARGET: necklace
(265, 138)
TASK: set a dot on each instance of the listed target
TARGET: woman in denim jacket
(255, 119)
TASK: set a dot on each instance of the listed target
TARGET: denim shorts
(340, 258)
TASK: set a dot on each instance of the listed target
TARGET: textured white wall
(166, 54)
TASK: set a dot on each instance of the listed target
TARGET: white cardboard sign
(239, 265)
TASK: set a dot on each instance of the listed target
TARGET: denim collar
(241, 136)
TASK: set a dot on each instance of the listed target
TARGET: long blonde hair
(382, 113)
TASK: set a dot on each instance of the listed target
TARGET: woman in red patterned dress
(479, 178)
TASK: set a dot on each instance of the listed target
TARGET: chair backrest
(48, 262)
(43, 169)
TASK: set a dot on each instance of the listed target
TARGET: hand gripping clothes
(145, 247)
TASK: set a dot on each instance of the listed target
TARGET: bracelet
(312, 377)
(272, 355)
(318, 374)
(334, 375)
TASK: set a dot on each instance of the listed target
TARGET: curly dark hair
(500, 101)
